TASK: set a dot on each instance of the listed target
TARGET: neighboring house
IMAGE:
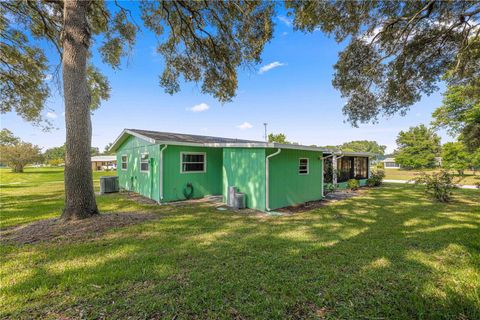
(104, 163)
(170, 167)
(389, 163)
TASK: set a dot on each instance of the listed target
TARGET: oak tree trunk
(79, 194)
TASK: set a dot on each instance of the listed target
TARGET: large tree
(460, 114)
(397, 51)
(364, 146)
(456, 157)
(16, 153)
(203, 41)
(277, 137)
(417, 147)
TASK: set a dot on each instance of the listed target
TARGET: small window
(124, 162)
(303, 166)
(193, 162)
(144, 162)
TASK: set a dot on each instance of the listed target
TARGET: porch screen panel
(361, 170)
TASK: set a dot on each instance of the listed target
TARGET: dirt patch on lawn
(58, 230)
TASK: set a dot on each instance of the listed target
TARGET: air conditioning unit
(108, 184)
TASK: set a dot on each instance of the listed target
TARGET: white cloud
(199, 107)
(245, 126)
(270, 66)
(287, 21)
(48, 77)
(284, 33)
(51, 115)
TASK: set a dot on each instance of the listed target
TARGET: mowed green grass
(35, 194)
(400, 174)
(387, 254)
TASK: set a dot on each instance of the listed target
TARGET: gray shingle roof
(188, 138)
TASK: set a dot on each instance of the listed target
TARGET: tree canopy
(417, 147)
(460, 114)
(15, 153)
(277, 137)
(396, 51)
(456, 157)
(364, 146)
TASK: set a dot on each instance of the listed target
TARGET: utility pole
(266, 137)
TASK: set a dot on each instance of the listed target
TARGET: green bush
(353, 184)
(438, 185)
(329, 188)
(376, 178)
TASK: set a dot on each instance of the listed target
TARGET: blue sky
(294, 96)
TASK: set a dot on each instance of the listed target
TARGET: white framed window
(303, 166)
(124, 162)
(144, 162)
(191, 162)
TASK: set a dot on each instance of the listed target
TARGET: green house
(169, 167)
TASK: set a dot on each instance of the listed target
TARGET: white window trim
(308, 166)
(121, 162)
(204, 162)
(148, 161)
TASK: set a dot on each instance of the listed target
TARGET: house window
(193, 162)
(144, 162)
(303, 166)
(124, 162)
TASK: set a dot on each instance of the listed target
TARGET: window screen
(303, 166)
(193, 162)
(144, 163)
(124, 162)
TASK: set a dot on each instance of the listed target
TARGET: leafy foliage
(397, 50)
(17, 154)
(460, 114)
(364, 146)
(455, 157)
(7, 138)
(24, 66)
(376, 178)
(438, 185)
(418, 147)
(209, 41)
(54, 153)
(353, 184)
(278, 138)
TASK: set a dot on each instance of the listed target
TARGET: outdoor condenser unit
(108, 184)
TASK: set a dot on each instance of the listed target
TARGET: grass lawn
(400, 174)
(387, 254)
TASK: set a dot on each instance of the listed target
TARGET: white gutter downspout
(161, 171)
(267, 203)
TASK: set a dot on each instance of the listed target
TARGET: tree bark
(79, 194)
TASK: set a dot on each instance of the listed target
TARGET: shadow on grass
(390, 253)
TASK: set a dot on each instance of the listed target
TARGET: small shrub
(376, 178)
(438, 185)
(329, 188)
(353, 184)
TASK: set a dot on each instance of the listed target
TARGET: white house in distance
(389, 163)
(100, 163)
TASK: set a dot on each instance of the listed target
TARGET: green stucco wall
(204, 183)
(287, 187)
(244, 168)
(132, 179)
